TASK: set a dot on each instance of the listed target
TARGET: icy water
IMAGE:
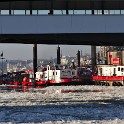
(10, 88)
(62, 105)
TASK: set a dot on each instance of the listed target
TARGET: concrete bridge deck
(66, 29)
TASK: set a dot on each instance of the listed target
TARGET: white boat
(57, 74)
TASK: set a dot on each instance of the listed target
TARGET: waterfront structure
(119, 48)
(64, 60)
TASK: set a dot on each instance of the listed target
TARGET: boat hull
(110, 80)
(66, 81)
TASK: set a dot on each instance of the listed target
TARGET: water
(10, 88)
(19, 88)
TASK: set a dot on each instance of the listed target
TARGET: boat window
(73, 72)
(114, 72)
(56, 73)
(30, 75)
(122, 69)
(118, 68)
(53, 73)
(100, 71)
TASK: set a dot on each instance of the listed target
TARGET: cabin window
(56, 73)
(118, 68)
(73, 73)
(53, 73)
(122, 69)
(114, 72)
(100, 71)
(30, 76)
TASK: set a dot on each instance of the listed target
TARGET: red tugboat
(19, 78)
(109, 75)
(58, 75)
(48, 75)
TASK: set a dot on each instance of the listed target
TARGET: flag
(1, 54)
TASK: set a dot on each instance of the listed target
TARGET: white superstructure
(110, 70)
(53, 73)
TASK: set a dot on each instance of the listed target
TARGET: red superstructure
(18, 78)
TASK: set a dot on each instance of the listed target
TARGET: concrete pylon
(35, 59)
(93, 56)
(78, 58)
(58, 55)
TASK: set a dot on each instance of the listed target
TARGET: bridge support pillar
(93, 56)
(35, 59)
(58, 55)
(78, 58)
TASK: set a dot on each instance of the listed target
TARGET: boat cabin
(110, 70)
(53, 73)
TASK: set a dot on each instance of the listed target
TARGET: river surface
(81, 104)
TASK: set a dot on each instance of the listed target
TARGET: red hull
(27, 83)
(38, 83)
(108, 78)
(15, 83)
(41, 83)
(66, 80)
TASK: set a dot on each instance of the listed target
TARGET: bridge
(62, 4)
(95, 24)
(58, 29)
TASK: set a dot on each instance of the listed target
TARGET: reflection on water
(74, 91)
(18, 88)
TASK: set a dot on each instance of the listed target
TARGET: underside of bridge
(61, 4)
(98, 39)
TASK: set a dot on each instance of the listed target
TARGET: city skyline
(25, 51)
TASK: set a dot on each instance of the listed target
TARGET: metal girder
(62, 4)
(98, 39)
